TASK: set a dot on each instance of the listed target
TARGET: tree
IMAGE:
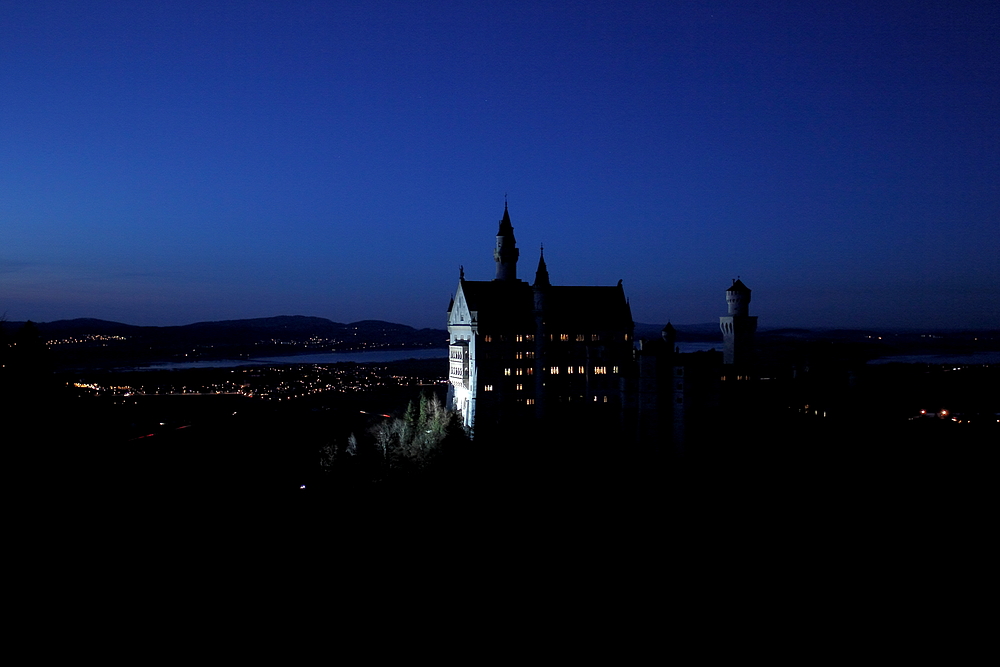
(421, 437)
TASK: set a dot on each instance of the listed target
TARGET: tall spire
(542, 274)
(505, 254)
(506, 229)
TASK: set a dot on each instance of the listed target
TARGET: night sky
(167, 163)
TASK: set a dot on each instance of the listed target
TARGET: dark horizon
(701, 327)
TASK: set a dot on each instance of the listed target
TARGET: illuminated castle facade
(520, 350)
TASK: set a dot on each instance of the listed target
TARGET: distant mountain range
(92, 342)
(283, 325)
(89, 343)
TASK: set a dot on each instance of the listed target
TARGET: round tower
(738, 298)
(739, 327)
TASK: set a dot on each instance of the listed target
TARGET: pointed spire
(669, 334)
(506, 253)
(461, 272)
(506, 229)
(542, 274)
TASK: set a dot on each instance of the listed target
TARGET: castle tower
(739, 327)
(541, 277)
(506, 252)
(540, 290)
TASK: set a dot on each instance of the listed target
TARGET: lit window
(579, 369)
(506, 371)
(520, 387)
(519, 355)
(580, 337)
(487, 338)
(520, 338)
(569, 370)
(519, 371)
(605, 399)
(488, 387)
(531, 371)
(614, 369)
(600, 370)
(563, 336)
(554, 370)
(595, 337)
(529, 355)
(530, 401)
(529, 337)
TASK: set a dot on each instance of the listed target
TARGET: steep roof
(509, 305)
(542, 273)
(585, 307)
(738, 286)
(500, 304)
(506, 229)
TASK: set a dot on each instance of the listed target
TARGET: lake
(359, 357)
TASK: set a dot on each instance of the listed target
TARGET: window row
(503, 338)
(568, 370)
(580, 338)
(531, 401)
(517, 387)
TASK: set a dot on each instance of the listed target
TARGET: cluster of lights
(273, 383)
(946, 415)
(313, 341)
(89, 338)
(812, 410)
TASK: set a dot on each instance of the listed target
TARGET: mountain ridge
(89, 342)
(263, 321)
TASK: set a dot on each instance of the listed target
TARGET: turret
(541, 282)
(506, 252)
(669, 335)
(738, 298)
(540, 289)
(739, 326)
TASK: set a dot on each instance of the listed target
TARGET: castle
(521, 350)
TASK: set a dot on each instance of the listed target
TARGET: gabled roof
(509, 305)
(588, 308)
(500, 304)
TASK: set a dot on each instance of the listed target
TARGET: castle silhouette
(520, 351)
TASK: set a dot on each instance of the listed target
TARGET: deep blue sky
(211, 160)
